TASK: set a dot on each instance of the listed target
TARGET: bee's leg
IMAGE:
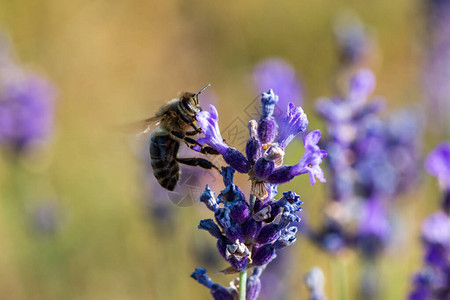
(194, 132)
(190, 142)
(205, 149)
(196, 161)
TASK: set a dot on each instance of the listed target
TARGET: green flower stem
(252, 202)
(243, 285)
(340, 277)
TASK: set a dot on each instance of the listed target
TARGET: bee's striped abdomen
(163, 150)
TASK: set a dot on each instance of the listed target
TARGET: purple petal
(438, 163)
(312, 138)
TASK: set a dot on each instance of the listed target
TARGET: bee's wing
(142, 127)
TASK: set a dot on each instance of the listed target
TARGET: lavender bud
(211, 227)
(234, 232)
(281, 175)
(253, 285)
(263, 255)
(287, 238)
(287, 218)
(231, 194)
(263, 168)
(239, 264)
(268, 234)
(267, 126)
(251, 229)
(208, 198)
(222, 215)
(221, 293)
(200, 276)
(239, 211)
(268, 101)
(227, 175)
(267, 130)
(222, 247)
(291, 197)
(236, 160)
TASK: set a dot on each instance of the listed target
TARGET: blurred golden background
(114, 62)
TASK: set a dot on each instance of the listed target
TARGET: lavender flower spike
(438, 164)
(308, 164)
(210, 127)
(250, 230)
(295, 121)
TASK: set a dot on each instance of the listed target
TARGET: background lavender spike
(433, 280)
(315, 281)
(356, 47)
(372, 161)
(436, 71)
(26, 105)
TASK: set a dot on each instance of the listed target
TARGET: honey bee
(175, 122)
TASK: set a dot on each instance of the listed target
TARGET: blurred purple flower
(279, 75)
(436, 236)
(353, 40)
(315, 281)
(373, 229)
(436, 72)
(433, 281)
(438, 163)
(26, 108)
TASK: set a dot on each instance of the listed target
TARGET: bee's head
(190, 101)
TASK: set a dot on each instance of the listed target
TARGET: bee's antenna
(209, 84)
